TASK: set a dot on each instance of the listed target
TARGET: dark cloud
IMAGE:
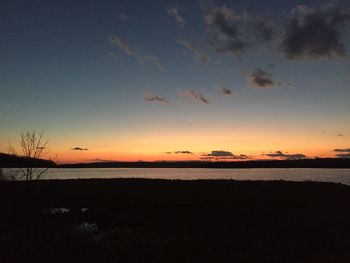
(223, 22)
(261, 78)
(140, 57)
(224, 90)
(264, 29)
(183, 152)
(79, 149)
(342, 153)
(223, 155)
(194, 95)
(315, 34)
(155, 98)
(219, 153)
(198, 54)
(340, 135)
(236, 47)
(281, 155)
(342, 150)
(175, 12)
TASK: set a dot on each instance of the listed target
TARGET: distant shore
(145, 220)
(13, 161)
(304, 163)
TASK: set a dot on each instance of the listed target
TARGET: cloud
(342, 150)
(340, 135)
(123, 45)
(281, 155)
(79, 149)
(222, 21)
(198, 54)
(300, 10)
(264, 29)
(223, 155)
(175, 12)
(342, 153)
(141, 58)
(224, 90)
(155, 98)
(149, 59)
(236, 47)
(122, 17)
(261, 78)
(102, 160)
(183, 152)
(219, 153)
(314, 35)
(194, 95)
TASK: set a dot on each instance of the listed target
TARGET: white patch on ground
(83, 210)
(88, 228)
(60, 210)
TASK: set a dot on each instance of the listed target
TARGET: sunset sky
(177, 80)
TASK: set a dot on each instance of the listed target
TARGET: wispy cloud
(183, 152)
(141, 58)
(198, 54)
(175, 12)
(194, 95)
(342, 153)
(79, 149)
(123, 17)
(123, 45)
(286, 156)
(155, 98)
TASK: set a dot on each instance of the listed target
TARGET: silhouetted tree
(34, 146)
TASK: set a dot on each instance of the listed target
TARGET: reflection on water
(322, 175)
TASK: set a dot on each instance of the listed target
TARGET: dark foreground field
(133, 220)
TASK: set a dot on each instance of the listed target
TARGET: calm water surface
(321, 175)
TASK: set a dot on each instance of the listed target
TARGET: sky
(177, 80)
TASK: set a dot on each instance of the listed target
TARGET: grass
(139, 220)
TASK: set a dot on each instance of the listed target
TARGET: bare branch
(33, 146)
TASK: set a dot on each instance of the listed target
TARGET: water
(320, 175)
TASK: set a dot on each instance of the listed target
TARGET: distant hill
(305, 163)
(14, 161)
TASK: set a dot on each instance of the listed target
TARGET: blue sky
(90, 71)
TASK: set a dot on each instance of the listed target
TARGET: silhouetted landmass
(11, 161)
(139, 220)
(305, 163)
(14, 161)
